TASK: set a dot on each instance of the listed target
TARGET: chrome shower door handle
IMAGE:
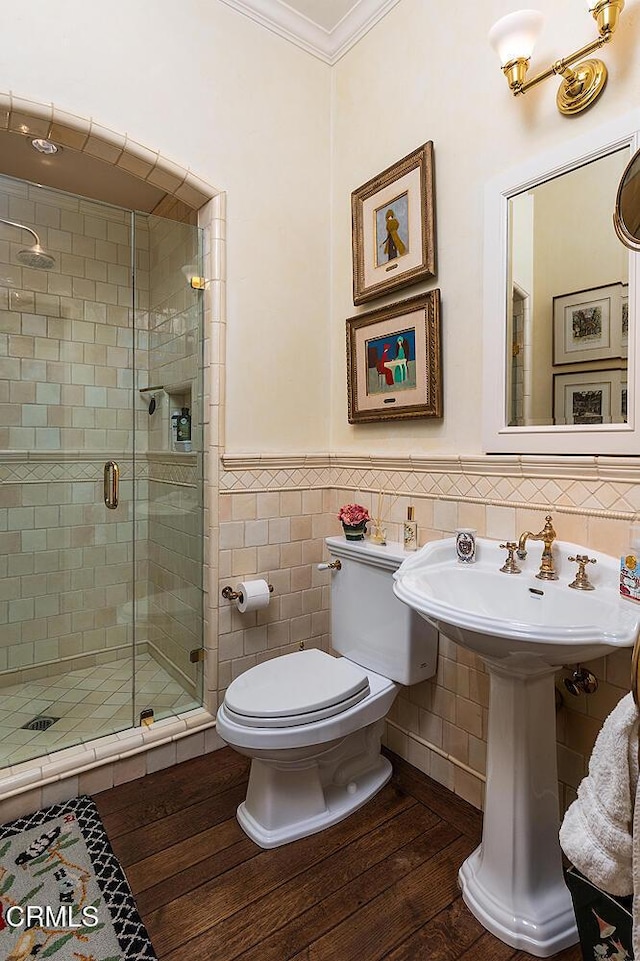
(111, 484)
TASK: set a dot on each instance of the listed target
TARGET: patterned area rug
(63, 894)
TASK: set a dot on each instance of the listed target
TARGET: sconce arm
(561, 67)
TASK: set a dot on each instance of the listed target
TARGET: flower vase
(354, 532)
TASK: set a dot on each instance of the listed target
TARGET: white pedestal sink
(523, 629)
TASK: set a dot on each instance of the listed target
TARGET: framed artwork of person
(393, 227)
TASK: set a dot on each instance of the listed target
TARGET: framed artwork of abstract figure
(393, 227)
(394, 368)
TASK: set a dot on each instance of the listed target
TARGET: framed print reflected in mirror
(588, 324)
(590, 397)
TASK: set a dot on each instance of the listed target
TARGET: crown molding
(327, 45)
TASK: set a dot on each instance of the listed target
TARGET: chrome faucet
(547, 535)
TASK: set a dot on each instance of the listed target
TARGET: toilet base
(339, 803)
(292, 794)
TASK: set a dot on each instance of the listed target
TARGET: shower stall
(101, 501)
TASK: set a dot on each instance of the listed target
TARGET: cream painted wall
(248, 112)
(289, 138)
(422, 76)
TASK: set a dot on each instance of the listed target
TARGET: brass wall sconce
(514, 36)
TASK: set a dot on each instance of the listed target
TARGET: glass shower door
(169, 463)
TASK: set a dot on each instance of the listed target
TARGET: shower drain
(40, 723)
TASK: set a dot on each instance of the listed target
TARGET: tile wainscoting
(275, 512)
(270, 520)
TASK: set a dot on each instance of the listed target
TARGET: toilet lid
(295, 689)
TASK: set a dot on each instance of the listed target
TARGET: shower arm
(13, 223)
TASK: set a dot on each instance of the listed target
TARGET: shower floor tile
(89, 703)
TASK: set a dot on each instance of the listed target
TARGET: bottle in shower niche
(183, 430)
(410, 532)
(175, 414)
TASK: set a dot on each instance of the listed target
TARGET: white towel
(635, 938)
(597, 832)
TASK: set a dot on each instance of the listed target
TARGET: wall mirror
(560, 303)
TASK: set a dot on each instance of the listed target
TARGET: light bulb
(513, 37)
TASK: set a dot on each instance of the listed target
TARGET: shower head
(35, 256)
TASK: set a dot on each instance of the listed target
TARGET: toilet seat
(295, 689)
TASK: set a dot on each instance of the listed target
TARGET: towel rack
(635, 667)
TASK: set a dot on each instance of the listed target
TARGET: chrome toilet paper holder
(230, 595)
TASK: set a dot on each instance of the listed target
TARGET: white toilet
(312, 722)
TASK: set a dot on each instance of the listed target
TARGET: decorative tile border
(58, 466)
(177, 470)
(608, 487)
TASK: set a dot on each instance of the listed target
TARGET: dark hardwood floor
(381, 884)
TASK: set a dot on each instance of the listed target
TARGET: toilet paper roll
(255, 594)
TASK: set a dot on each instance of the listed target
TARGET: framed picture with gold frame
(393, 227)
(394, 367)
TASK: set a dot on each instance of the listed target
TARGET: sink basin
(523, 629)
(517, 616)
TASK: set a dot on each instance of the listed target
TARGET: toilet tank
(369, 625)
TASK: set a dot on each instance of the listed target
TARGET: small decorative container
(410, 532)
(630, 566)
(466, 545)
(354, 532)
(353, 518)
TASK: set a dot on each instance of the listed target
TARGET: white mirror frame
(498, 438)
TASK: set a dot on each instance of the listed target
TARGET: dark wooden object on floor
(381, 884)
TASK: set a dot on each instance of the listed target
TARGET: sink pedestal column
(513, 882)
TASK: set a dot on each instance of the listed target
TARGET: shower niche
(180, 418)
(171, 428)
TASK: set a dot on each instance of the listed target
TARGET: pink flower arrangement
(353, 514)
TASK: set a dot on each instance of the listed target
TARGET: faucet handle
(510, 566)
(582, 582)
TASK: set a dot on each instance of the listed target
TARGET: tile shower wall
(67, 333)
(270, 530)
(66, 359)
